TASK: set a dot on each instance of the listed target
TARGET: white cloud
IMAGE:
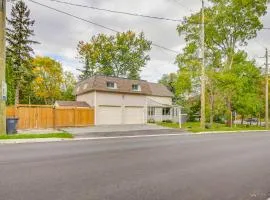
(59, 34)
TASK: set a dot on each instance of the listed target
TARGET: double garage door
(107, 115)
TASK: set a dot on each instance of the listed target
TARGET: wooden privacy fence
(42, 117)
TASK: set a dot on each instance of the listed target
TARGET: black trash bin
(12, 125)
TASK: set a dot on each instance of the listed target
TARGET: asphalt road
(209, 167)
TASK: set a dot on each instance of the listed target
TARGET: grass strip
(36, 136)
(195, 127)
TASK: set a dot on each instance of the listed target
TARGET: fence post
(16, 110)
(74, 118)
(54, 117)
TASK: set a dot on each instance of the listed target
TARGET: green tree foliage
(68, 87)
(229, 25)
(244, 82)
(50, 82)
(120, 55)
(10, 82)
(48, 79)
(169, 81)
(19, 50)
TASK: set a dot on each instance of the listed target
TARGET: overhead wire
(96, 24)
(183, 6)
(115, 11)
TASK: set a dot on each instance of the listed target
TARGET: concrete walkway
(114, 128)
(39, 131)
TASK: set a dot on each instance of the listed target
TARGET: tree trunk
(242, 119)
(211, 109)
(229, 113)
(17, 94)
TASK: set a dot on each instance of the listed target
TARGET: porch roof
(153, 103)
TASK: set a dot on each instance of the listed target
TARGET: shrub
(167, 121)
(151, 121)
(207, 126)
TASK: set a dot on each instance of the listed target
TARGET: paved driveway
(117, 130)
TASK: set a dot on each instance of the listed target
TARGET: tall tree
(229, 25)
(10, 83)
(169, 81)
(68, 86)
(120, 55)
(48, 79)
(19, 50)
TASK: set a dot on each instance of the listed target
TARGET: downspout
(146, 111)
(95, 107)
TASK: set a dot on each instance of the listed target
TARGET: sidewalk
(39, 131)
(130, 133)
(39, 140)
(113, 129)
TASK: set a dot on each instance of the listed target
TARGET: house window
(136, 87)
(166, 111)
(151, 111)
(111, 85)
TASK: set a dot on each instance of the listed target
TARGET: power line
(259, 43)
(183, 6)
(117, 12)
(96, 24)
(74, 16)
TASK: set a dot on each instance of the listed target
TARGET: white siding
(88, 98)
(118, 99)
(117, 108)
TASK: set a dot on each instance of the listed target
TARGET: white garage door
(134, 115)
(109, 115)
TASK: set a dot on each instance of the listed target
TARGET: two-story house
(124, 101)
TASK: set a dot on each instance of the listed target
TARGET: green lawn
(36, 136)
(195, 127)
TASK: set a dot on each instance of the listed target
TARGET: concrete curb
(129, 137)
(49, 140)
(28, 141)
(212, 132)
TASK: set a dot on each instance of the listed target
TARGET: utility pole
(2, 67)
(266, 90)
(202, 71)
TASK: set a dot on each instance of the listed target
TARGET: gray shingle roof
(99, 83)
(80, 104)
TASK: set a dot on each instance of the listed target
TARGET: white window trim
(139, 88)
(114, 85)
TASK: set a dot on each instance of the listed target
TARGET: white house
(124, 101)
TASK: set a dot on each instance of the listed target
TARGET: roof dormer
(111, 85)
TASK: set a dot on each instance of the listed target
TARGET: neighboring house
(72, 104)
(124, 101)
